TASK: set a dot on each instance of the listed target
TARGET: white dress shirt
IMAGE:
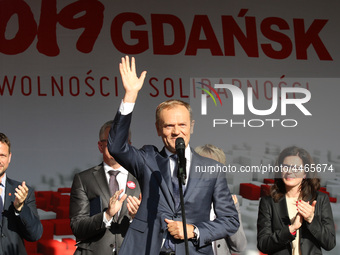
(121, 179)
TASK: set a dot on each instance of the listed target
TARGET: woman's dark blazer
(273, 236)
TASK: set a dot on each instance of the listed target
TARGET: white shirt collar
(187, 153)
(3, 180)
(121, 169)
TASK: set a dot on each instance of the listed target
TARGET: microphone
(182, 162)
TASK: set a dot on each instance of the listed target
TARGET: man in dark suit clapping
(100, 215)
(19, 218)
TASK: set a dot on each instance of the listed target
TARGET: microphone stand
(181, 175)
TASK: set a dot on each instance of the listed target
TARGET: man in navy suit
(19, 218)
(157, 227)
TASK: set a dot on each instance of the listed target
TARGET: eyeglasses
(291, 168)
(103, 140)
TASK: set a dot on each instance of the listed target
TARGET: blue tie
(169, 243)
(174, 180)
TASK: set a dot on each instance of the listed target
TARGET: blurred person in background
(238, 241)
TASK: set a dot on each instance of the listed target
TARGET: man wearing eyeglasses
(104, 200)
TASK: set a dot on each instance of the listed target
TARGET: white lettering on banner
(238, 100)
(261, 89)
(255, 122)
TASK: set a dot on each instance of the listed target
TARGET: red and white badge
(131, 185)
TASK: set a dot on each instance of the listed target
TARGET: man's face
(5, 158)
(102, 146)
(173, 123)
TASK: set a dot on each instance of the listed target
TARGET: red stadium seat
(250, 191)
(48, 229)
(51, 247)
(62, 227)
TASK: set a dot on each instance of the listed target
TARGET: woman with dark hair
(296, 218)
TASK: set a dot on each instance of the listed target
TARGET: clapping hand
(115, 204)
(133, 205)
(21, 193)
(306, 210)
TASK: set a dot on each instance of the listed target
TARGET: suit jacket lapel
(129, 192)
(194, 177)
(164, 168)
(100, 178)
(163, 164)
(9, 197)
(281, 207)
(282, 212)
(9, 193)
